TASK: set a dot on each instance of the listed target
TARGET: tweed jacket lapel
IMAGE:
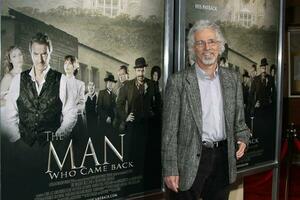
(193, 93)
(227, 93)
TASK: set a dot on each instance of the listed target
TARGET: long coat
(182, 124)
(262, 91)
(106, 106)
(128, 96)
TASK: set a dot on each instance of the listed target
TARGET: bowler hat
(140, 63)
(109, 77)
(263, 62)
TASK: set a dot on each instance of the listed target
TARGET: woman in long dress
(13, 63)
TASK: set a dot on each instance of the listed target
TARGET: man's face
(263, 70)
(206, 47)
(122, 75)
(69, 68)
(140, 73)
(91, 88)
(40, 56)
(109, 85)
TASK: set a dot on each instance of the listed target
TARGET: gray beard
(208, 61)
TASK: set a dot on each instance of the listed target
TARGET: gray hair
(201, 25)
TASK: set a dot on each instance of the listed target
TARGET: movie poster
(251, 29)
(81, 85)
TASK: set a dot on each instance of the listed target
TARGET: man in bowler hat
(140, 96)
(262, 110)
(262, 88)
(106, 105)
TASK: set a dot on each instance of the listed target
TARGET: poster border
(179, 65)
(291, 92)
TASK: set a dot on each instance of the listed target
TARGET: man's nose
(206, 46)
(42, 60)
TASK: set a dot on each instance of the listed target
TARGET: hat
(140, 63)
(263, 62)
(109, 77)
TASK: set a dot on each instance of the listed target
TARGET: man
(262, 107)
(106, 106)
(123, 76)
(262, 89)
(246, 90)
(203, 121)
(39, 100)
(40, 108)
(140, 96)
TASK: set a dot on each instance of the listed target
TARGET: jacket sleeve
(170, 128)
(81, 98)
(68, 96)
(241, 130)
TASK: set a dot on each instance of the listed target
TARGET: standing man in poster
(140, 96)
(262, 88)
(261, 100)
(39, 99)
(106, 107)
(203, 121)
(123, 76)
(40, 108)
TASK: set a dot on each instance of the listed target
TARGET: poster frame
(293, 92)
(179, 61)
(167, 55)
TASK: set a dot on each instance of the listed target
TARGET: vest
(39, 114)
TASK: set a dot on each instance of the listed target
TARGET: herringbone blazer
(182, 124)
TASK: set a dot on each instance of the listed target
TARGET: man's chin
(209, 62)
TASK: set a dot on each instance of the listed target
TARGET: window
(95, 77)
(83, 73)
(245, 18)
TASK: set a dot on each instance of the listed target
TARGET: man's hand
(172, 182)
(240, 152)
(130, 118)
(108, 120)
(257, 105)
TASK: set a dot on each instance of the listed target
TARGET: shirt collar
(71, 77)
(32, 74)
(203, 75)
(138, 84)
